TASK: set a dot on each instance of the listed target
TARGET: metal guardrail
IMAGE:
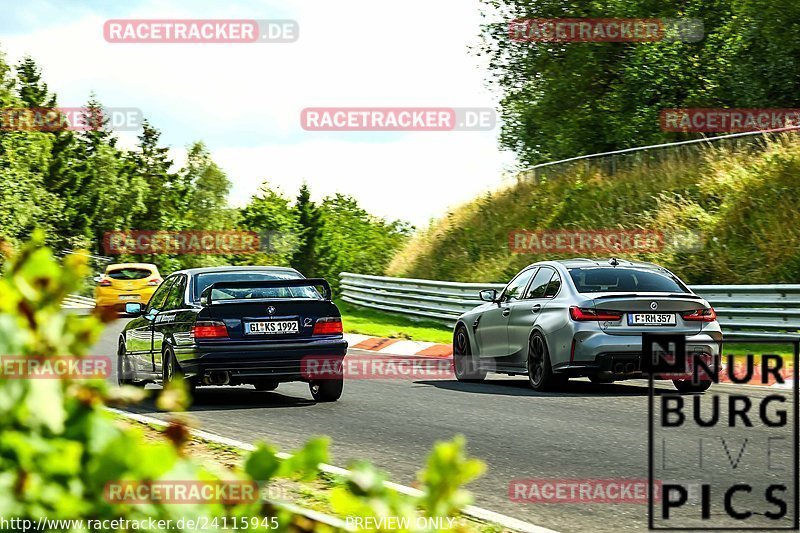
(641, 155)
(74, 301)
(744, 311)
(702, 140)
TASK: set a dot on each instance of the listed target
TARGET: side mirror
(488, 295)
(134, 309)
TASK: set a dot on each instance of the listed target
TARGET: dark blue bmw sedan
(234, 326)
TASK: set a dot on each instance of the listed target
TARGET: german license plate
(272, 327)
(129, 296)
(651, 319)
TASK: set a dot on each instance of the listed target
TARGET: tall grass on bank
(744, 199)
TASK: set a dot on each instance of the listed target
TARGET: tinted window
(205, 280)
(513, 290)
(175, 298)
(157, 301)
(553, 287)
(129, 273)
(624, 280)
(539, 284)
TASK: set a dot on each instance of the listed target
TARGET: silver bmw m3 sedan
(582, 318)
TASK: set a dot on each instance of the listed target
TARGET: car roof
(211, 270)
(149, 266)
(582, 262)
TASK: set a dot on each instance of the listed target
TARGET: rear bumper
(110, 297)
(620, 356)
(245, 361)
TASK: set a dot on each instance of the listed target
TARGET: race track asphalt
(581, 432)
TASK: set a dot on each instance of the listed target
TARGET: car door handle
(506, 311)
(536, 308)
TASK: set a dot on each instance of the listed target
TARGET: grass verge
(379, 324)
(785, 351)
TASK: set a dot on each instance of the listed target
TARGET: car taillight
(701, 315)
(583, 314)
(328, 326)
(155, 282)
(105, 282)
(210, 330)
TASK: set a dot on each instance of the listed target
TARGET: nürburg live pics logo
(740, 442)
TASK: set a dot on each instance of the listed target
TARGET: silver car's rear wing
(206, 300)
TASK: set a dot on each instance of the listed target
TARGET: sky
(244, 100)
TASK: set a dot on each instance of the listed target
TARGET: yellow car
(126, 282)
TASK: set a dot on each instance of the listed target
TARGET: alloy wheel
(536, 360)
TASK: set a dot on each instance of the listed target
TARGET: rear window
(205, 280)
(624, 280)
(129, 273)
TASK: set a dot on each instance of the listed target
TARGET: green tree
(32, 90)
(97, 131)
(304, 259)
(566, 99)
(202, 190)
(270, 214)
(350, 239)
(26, 201)
(150, 165)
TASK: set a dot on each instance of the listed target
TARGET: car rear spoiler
(205, 297)
(650, 295)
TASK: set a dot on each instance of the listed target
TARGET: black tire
(687, 386)
(126, 375)
(266, 385)
(465, 366)
(170, 372)
(540, 370)
(326, 390)
(167, 367)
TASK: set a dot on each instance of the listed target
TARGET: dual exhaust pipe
(217, 377)
(624, 368)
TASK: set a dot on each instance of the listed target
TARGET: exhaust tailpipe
(618, 368)
(217, 377)
(630, 368)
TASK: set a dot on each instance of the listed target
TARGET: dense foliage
(561, 100)
(78, 185)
